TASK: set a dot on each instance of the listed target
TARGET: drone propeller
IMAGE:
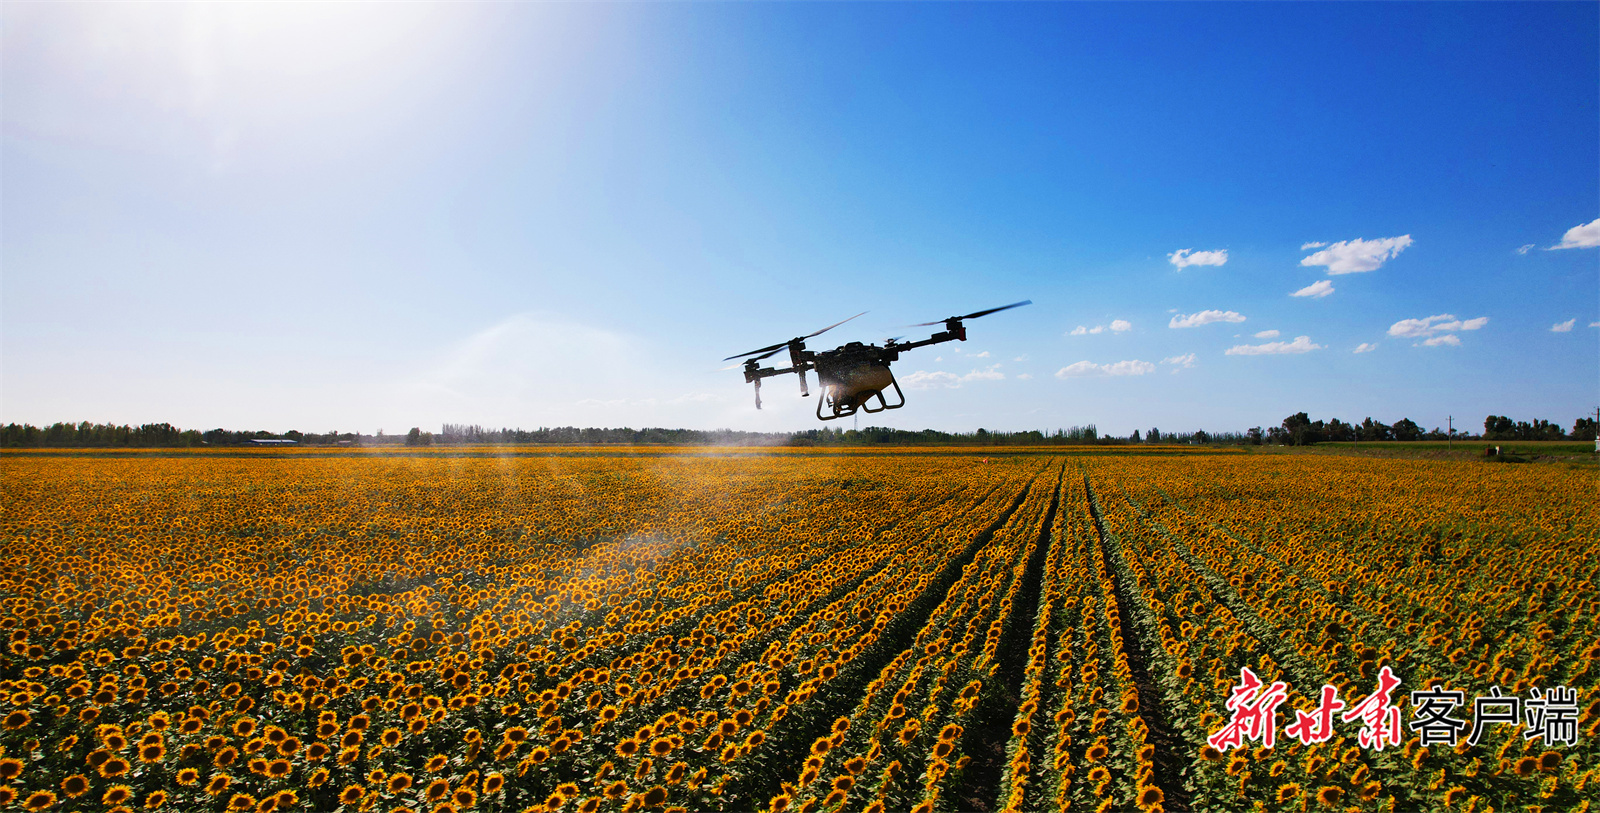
(739, 364)
(770, 349)
(976, 315)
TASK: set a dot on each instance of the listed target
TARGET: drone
(854, 376)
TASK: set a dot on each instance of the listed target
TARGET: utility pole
(1450, 442)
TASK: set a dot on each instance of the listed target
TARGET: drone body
(854, 375)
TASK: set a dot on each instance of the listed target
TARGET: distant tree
(1338, 431)
(1583, 429)
(1200, 436)
(1302, 431)
(1499, 427)
(1374, 430)
(1153, 436)
(1254, 435)
(414, 437)
(1406, 429)
(1135, 436)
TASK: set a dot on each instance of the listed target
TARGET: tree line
(1296, 430)
(1299, 430)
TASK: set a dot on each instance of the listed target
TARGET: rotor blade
(832, 326)
(780, 345)
(769, 350)
(996, 310)
(976, 315)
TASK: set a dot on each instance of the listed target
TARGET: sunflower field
(571, 630)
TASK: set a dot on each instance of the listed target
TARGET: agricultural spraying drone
(854, 374)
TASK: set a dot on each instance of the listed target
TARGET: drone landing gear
(882, 404)
(861, 400)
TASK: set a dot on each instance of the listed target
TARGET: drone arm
(937, 338)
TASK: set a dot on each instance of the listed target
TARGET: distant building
(271, 442)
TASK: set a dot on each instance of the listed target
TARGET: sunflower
(1549, 761)
(436, 763)
(1329, 796)
(1526, 766)
(225, 757)
(75, 785)
(391, 737)
(188, 776)
(278, 768)
(465, 797)
(10, 768)
(399, 782)
(241, 801)
(1099, 774)
(1150, 798)
(156, 799)
(39, 800)
(16, 720)
(351, 794)
(493, 782)
(616, 790)
(1096, 752)
(1288, 793)
(218, 784)
(437, 789)
(1369, 791)
(155, 752)
(114, 766)
(627, 748)
(317, 778)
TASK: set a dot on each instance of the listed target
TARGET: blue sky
(367, 216)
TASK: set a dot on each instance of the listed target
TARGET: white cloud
(1594, 324)
(1267, 334)
(1585, 236)
(1352, 256)
(1319, 289)
(922, 380)
(983, 355)
(1024, 376)
(1366, 347)
(1088, 368)
(1301, 344)
(1121, 325)
(1020, 358)
(1309, 246)
(1185, 257)
(1525, 249)
(1448, 338)
(1080, 330)
(1186, 360)
(1432, 325)
(1563, 327)
(1204, 318)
